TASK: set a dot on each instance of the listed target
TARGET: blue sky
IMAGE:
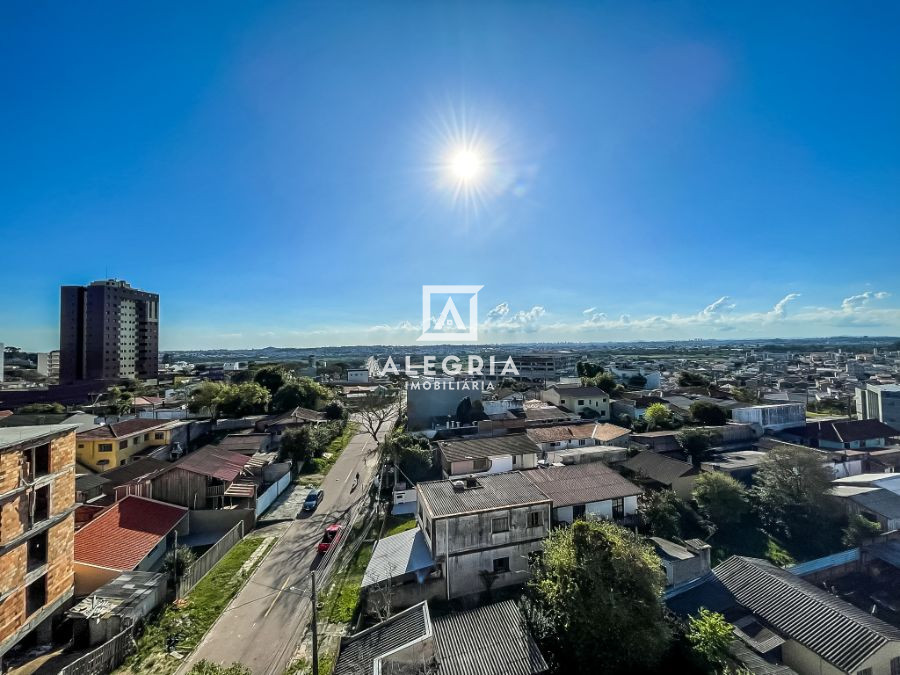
(276, 171)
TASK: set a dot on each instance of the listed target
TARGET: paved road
(265, 621)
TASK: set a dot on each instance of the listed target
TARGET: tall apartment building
(37, 529)
(108, 331)
(879, 402)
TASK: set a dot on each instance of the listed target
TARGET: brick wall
(10, 470)
(12, 569)
(12, 614)
(60, 558)
(63, 492)
(62, 452)
(13, 515)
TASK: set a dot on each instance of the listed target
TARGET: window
(618, 508)
(159, 435)
(865, 671)
(581, 441)
(535, 519)
(581, 401)
(500, 525)
(895, 665)
(123, 445)
(102, 462)
(501, 565)
(137, 439)
(562, 400)
(105, 447)
(146, 437)
(81, 446)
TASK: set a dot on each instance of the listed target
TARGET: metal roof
(358, 652)
(494, 491)
(840, 633)
(487, 640)
(658, 467)
(512, 444)
(214, 462)
(10, 436)
(581, 484)
(397, 555)
(881, 502)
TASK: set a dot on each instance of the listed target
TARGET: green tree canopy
(657, 415)
(596, 598)
(688, 379)
(858, 530)
(588, 369)
(709, 635)
(42, 409)
(205, 667)
(696, 444)
(303, 392)
(272, 378)
(637, 381)
(659, 514)
(790, 487)
(721, 498)
(708, 414)
(334, 411)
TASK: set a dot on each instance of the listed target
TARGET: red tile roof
(122, 536)
(121, 429)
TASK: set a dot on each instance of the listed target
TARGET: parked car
(313, 499)
(332, 532)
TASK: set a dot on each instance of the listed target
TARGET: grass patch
(398, 524)
(321, 465)
(339, 603)
(203, 605)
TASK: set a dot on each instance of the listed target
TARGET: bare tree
(376, 410)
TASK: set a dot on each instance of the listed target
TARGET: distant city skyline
(639, 171)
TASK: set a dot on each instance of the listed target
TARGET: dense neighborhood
(715, 508)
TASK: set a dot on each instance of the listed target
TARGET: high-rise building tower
(108, 331)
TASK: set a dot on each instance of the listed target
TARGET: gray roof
(578, 390)
(755, 663)
(487, 640)
(494, 491)
(512, 444)
(880, 502)
(670, 549)
(358, 652)
(658, 467)
(397, 555)
(89, 481)
(10, 436)
(840, 633)
(581, 484)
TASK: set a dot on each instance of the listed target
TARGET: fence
(106, 658)
(205, 562)
(265, 500)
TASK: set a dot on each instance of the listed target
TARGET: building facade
(108, 331)
(112, 445)
(37, 528)
(772, 417)
(879, 402)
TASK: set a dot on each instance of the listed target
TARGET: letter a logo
(449, 325)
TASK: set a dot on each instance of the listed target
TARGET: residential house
(740, 465)
(586, 401)
(132, 534)
(401, 573)
(276, 425)
(481, 530)
(786, 619)
(844, 434)
(37, 502)
(207, 478)
(653, 378)
(497, 454)
(584, 490)
(879, 505)
(246, 444)
(488, 640)
(682, 562)
(664, 472)
(134, 478)
(563, 437)
(634, 405)
(89, 486)
(113, 445)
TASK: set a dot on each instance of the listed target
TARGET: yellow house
(112, 445)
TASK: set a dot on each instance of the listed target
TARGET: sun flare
(466, 165)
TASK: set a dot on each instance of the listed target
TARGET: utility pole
(315, 628)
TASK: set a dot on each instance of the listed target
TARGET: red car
(332, 533)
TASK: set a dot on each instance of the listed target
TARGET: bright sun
(466, 165)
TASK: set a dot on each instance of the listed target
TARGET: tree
(334, 411)
(304, 392)
(657, 415)
(206, 397)
(119, 401)
(464, 411)
(595, 574)
(658, 511)
(237, 400)
(178, 560)
(588, 369)
(721, 498)
(412, 454)
(604, 381)
(710, 635)
(295, 444)
(272, 378)
(859, 530)
(708, 414)
(790, 486)
(637, 381)
(696, 444)
(688, 379)
(42, 409)
(375, 410)
(205, 667)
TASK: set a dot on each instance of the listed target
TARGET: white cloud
(854, 302)
(778, 310)
(499, 311)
